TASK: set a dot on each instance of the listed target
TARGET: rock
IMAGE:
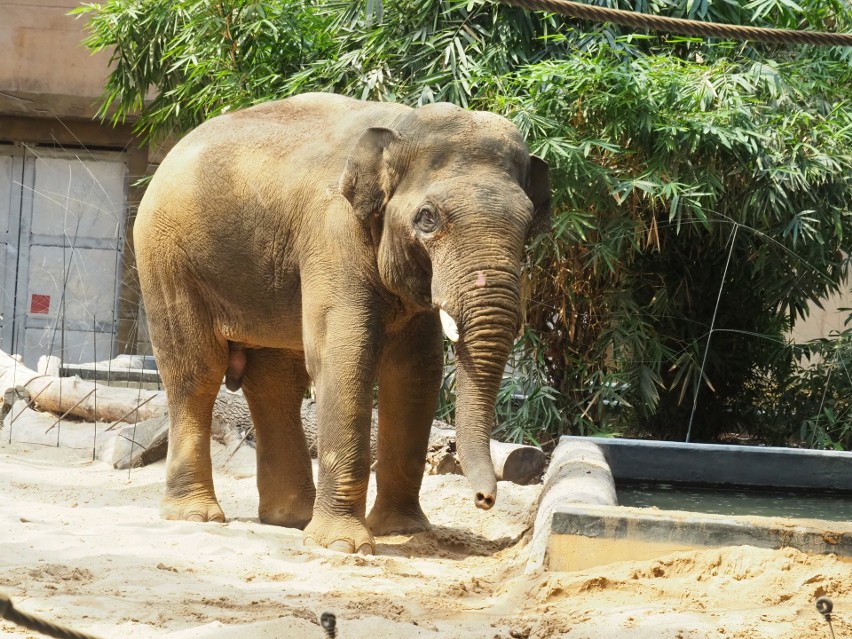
(135, 445)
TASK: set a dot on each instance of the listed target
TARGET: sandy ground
(82, 544)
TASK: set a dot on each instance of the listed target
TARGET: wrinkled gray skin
(317, 237)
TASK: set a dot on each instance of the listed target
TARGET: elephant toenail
(342, 546)
(310, 541)
(195, 517)
(366, 549)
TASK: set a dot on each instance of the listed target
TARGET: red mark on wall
(39, 304)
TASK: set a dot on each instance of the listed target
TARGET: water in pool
(737, 501)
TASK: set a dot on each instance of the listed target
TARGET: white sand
(82, 544)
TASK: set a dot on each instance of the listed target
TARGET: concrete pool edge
(587, 535)
(577, 474)
(722, 464)
(579, 524)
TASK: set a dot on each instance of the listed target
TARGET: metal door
(72, 221)
(11, 177)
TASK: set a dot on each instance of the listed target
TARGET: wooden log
(517, 463)
(87, 400)
(512, 462)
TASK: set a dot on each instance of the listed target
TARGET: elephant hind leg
(192, 360)
(192, 379)
(274, 383)
(189, 473)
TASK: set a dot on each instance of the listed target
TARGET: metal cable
(682, 26)
(31, 622)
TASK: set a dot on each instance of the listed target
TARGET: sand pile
(83, 544)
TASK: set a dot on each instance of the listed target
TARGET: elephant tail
(236, 367)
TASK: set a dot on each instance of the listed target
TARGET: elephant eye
(426, 220)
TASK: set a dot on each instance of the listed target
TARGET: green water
(737, 501)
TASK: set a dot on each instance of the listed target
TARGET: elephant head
(450, 197)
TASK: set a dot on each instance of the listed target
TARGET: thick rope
(30, 622)
(684, 27)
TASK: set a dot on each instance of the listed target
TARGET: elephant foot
(343, 534)
(389, 520)
(192, 509)
(295, 515)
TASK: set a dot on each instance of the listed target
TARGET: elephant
(330, 240)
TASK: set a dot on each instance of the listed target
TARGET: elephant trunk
(489, 316)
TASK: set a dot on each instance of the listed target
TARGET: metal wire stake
(95, 362)
(824, 606)
(68, 412)
(329, 623)
(29, 403)
(130, 412)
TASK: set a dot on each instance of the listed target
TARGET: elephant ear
(369, 179)
(538, 191)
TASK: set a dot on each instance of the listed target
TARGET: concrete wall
(44, 69)
(823, 321)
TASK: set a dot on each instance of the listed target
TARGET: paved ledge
(722, 465)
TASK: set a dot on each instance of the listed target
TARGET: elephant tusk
(451, 329)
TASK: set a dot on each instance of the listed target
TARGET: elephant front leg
(409, 383)
(341, 362)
